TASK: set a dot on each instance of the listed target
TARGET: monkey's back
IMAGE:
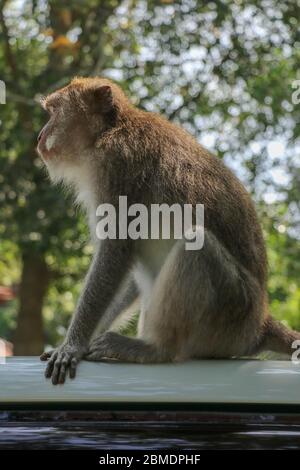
(180, 170)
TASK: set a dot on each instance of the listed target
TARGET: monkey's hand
(62, 360)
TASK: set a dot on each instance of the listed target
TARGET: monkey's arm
(125, 297)
(109, 267)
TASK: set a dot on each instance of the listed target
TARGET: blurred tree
(223, 69)
(44, 52)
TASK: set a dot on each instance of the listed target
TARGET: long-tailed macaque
(207, 303)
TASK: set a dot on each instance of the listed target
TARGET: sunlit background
(224, 70)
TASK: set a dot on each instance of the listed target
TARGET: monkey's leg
(126, 349)
(202, 305)
(112, 345)
(125, 297)
(276, 337)
(146, 348)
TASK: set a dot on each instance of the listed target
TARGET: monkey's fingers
(60, 368)
(46, 355)
(64, 365)
(50, 365)
(73, 366)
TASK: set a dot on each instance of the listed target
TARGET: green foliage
(284, 264)
(222, 69)
(8, 319)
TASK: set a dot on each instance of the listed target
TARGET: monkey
(208, 303)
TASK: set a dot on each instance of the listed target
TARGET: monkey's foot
(103, 346)
(111, 345)
(62, 361)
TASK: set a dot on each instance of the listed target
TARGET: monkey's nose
(40, 135)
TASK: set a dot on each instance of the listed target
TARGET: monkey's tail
(277, 337)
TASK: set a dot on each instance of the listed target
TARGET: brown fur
(211, 303)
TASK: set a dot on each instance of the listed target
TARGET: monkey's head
(79, 114)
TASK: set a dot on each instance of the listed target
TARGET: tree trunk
(29, 336)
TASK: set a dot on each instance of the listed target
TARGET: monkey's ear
(104, 98)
